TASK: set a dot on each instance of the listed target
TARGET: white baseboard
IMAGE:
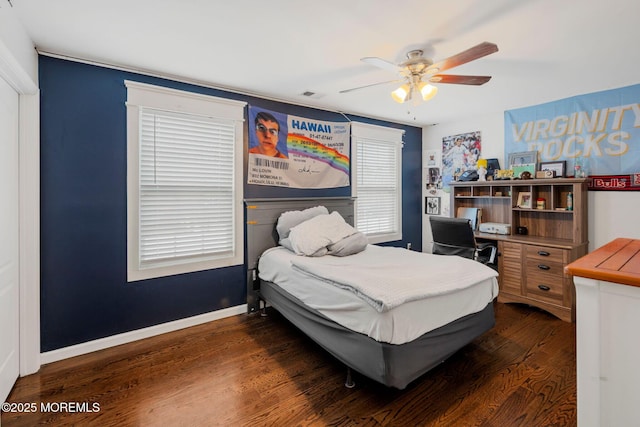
(127, 337)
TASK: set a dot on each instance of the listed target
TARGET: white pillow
(290, 219)
(311, 237)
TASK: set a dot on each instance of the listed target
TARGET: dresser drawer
(545, 280)
(546, 253)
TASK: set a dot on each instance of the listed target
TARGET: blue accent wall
(84, 290)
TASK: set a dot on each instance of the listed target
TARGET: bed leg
(263, 310)
(349, 383)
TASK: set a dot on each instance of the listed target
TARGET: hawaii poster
(297, 152)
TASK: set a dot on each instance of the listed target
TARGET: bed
(392, 342)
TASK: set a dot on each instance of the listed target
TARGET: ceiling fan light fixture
(402, 94)
(417, 71)
(428, 91)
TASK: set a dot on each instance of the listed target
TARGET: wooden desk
(531, 267)
(607, 285)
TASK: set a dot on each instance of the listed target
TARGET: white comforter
(399, 325)
(388, 277)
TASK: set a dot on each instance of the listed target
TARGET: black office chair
(454, 236)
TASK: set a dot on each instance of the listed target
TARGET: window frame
(362, 132)
(145, 96)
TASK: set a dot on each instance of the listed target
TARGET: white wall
(612, 214)
(17, 50)
(19, 67)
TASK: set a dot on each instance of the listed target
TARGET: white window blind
(186, 187)
(184, 182)
(378, 181)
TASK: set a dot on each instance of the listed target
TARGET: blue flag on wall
(598, 131)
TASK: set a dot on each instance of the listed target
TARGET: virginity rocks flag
(599, 130)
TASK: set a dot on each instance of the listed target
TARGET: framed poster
(558, 168)
(459, 153)
(523, 158)
(524, 200)
(432, 205)
(432, 158)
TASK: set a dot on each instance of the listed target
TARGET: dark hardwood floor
(249, 370)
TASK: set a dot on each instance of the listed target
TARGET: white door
(9, 310)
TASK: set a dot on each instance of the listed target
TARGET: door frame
(28, 209)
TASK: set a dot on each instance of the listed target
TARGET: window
(377, 181)
(184, 182)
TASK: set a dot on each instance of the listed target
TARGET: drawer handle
(544, 287)
(544, 267)
(543, 253)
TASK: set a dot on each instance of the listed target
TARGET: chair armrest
(482, 247)
(485, 245)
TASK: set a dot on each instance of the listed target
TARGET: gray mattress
(390, 364)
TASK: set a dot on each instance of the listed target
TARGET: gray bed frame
(390, 364)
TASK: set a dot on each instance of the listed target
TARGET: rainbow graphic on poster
(307, 147)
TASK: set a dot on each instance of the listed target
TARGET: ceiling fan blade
(459, 80)
(483, 49)
(366, 86)
(381, 63)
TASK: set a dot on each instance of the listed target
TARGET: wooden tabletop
(618, 262)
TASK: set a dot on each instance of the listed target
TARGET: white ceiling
(549, 49)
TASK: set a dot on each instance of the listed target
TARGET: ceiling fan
(417, 72)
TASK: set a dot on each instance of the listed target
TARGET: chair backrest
(452, 236)
(474, 215)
